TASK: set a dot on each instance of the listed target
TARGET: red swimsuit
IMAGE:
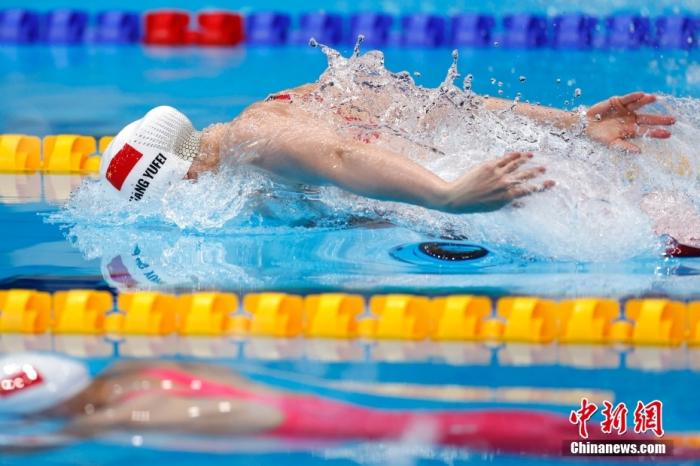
(309, 416)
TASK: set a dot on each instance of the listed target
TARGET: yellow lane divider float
(208, 314)
(333, 315)
(19, 153)
(462, 317)
(62, 153)
(655, 322)
(588, 320)
(24, 311)
(80, 311)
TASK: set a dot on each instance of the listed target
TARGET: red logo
(581, 416)
(15, 383)
(614, 419)
(121, 165)
(647, 417)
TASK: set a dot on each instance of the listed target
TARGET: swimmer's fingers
(625, 146)
(645, 99)
(617, 105)
(528, 174)
(650, 119)
(509, 158)
(515, 162)
(523, 190)
(506, 159)
(653, 132)
(601, 110)
(632, 98)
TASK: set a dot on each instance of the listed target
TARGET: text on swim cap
(14, 383)
(152, 170)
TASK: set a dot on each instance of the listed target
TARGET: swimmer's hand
(614, 121)
(493, 185)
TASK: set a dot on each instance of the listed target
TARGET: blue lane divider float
(423, 30)
(326, 28)
(19, 26)
(64, 26)
(566, 31)
(573, 31)
(117, 27)
(524, 31)
(472, 30)
(375, 27)
(676, 32)
(628, 31)
(267, 28)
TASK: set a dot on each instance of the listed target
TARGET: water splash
(358, 44)
(595, 213)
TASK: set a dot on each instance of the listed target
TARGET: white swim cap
(33, 382)
(150, 153)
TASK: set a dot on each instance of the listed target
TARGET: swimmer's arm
(612, 121)
(186, 414)
(320, 156)
(541, 114)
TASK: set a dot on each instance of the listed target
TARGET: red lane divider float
(172, 28)
(166, 27)
(220, 28)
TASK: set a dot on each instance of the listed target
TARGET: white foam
(594, 212)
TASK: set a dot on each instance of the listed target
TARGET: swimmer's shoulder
(267, 108)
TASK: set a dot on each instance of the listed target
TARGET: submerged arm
(310, 152)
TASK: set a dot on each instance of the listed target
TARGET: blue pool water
(96, 90)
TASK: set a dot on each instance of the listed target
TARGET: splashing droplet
(358, 43)
(558, 81)
(598, 117)
(467, 83)
(500, 92)
(577, 92)
(494, 80)
(313, 43)
(522, 79)
(417, 74)
(452, 72)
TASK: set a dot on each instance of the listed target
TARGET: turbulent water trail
(597, 212)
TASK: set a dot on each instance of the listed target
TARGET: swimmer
(201, 399)
(281, 137)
